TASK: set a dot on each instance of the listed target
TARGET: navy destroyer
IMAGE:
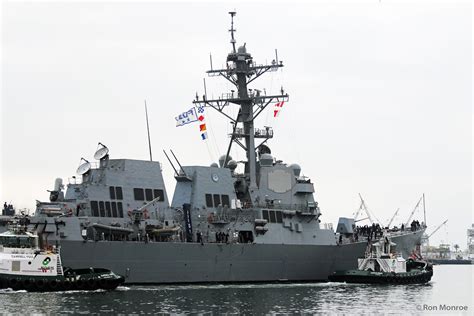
(222, 225)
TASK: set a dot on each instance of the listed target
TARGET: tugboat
(24, 266)
(382, 266)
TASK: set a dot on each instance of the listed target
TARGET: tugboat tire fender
(39, 284)
(103, 283)
(80, 283)
(53, 284)
(66, 285)
(91, 284)
(27, 283)
(13, 283)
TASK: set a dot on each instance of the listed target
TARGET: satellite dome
(214, 165)
(221, 160)
(264, 149)
(266, 160)
(242, 50)
(232, 164)
(296, 169)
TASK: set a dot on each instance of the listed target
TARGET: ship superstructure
(261, 224)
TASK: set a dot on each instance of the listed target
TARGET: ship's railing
(74, 180)
(328, 226)
(279, 206)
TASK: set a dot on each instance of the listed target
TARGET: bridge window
(225, 200)
(149, 194)
(107, 208)
(102, 209)
(209, 200)
(217, 200)
(114, 209)
(272, 217)
(157, 193)
(120, 209)
(139, 195)
(279, 217)
(95, 208)
(265, 215)
(112, 193)
(118, 193)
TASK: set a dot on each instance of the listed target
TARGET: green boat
(382, 266)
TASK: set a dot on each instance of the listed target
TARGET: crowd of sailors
(374, 231)
(8, 209)
(221, 237)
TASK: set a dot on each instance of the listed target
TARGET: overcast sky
(380, 95)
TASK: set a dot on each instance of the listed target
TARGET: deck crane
(393, 217)
(414, 210)
(363, 207)
(425, 239)
(437, 228)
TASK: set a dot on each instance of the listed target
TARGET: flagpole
(148, 131)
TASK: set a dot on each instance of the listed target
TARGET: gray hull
(211, 262)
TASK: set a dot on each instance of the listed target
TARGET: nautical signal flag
(193, 115)
(187, 117)
(277, 108)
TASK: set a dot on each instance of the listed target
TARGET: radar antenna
(102, 152)
(84, 167)
(232, 30)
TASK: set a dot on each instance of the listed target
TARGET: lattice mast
(241, 70)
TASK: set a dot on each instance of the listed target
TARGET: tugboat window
(138, 193)
(107, 208)
(217, 200)
(159, 193)
(225, 200)
(149, 194)
(209, 200)
(102, 209)
(95, 208)
(118, 193)
(112, 193)
(120, 209)
(114, 209)
(265, 215)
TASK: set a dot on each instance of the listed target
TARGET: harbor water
(449, 292)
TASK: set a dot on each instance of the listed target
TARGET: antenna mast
(232, 30)
(241, 70)
(148, 131)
